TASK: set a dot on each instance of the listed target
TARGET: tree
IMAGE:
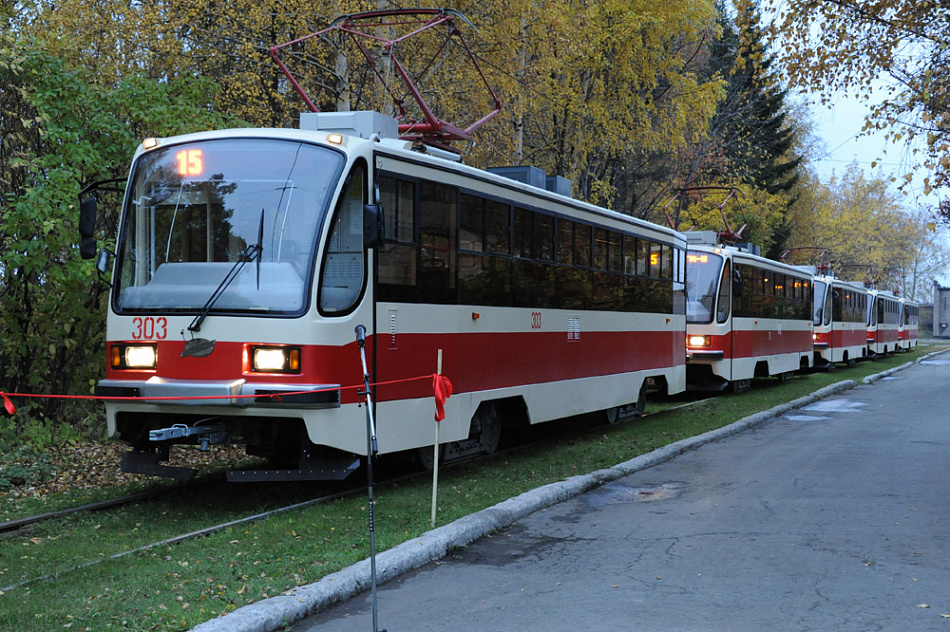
(851, 45)
(868, 234)
(51, 307)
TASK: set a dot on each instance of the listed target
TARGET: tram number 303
(149, 328)
(535, 320)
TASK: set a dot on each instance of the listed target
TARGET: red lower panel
(471, 361)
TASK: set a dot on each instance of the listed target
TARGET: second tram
(841, 309)
(746, 317)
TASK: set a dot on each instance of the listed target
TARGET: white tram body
(840, 310)
(883, 323)
(908, 329)
(242, 271)
(747, 317)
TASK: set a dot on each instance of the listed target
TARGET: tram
(746, 316)
(840, 318)
(246, 258)
(908, 329)
(883, 323)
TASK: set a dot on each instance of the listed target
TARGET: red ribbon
(8, 405)
(443, 390)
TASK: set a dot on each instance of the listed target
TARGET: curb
(275, 612)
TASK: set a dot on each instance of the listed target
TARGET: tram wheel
(489, 422)
(426, 456)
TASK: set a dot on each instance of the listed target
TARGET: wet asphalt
(835, 516)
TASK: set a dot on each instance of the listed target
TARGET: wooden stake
(435, 454)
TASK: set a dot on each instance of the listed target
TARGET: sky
(839, 128)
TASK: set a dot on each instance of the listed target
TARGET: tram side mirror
(736, 283)
(374, 230)
(87, 217)
(87, 228)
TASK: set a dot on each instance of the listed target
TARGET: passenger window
(343, 273)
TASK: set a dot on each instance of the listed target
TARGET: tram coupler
(206, 435)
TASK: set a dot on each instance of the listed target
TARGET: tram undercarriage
(282, 442)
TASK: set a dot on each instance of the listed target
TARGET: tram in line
(883, 323)
(245, 259)
(841, 309)
(908, 328)
(746, 316)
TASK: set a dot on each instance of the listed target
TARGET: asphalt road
(832, 517)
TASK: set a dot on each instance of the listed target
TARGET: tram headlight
(272, 359)
(698, 341)
(133, 356)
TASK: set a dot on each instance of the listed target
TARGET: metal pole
(371, 450)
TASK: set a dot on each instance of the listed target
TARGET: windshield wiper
(251, 253)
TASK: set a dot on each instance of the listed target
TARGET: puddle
(616, 493)
(806, 417)
(836, 406)
(940, 362)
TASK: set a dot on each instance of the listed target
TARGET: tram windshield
(195, 210)
(702, 279)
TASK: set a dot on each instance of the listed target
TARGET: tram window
(643, 257)
(582, 245)
(485, 280)
(544, 237)
(655, 259)
(398, 258)
(722, 301)
(524, 233)
(779, 285)
(497, 227)
(397, 198)
(600, 248)
(341, 279)
(472, 223)
(437, 234)
(629, 255)
(615, 252)
(565, 241)
(666, 262)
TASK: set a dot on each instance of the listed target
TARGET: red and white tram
(907, 330)
(746, 317)
(246, 258)
(841, 309)
(883, 322)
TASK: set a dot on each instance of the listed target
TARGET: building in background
(941, 311)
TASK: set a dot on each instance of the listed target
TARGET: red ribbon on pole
(11, 409)
(443, 390)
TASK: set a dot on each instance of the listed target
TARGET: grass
(176, 587)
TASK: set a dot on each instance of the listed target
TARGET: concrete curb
(273, 613)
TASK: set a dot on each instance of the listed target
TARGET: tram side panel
(529, 301)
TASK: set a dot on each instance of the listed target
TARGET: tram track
(11, 527)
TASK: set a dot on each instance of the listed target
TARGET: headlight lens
(698, 341)
(275, 359)
(134, 356)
